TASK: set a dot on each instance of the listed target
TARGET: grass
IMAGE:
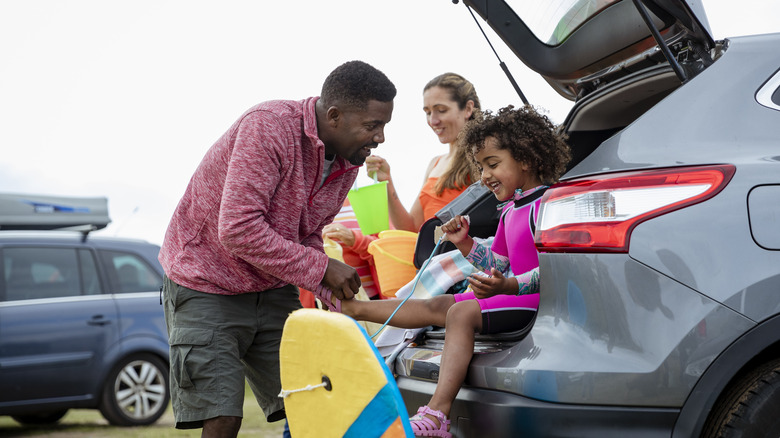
(88, 423)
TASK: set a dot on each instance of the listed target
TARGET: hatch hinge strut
(678, 70)
(500, 62)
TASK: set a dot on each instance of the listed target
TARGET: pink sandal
(326, 297)
(424, 426)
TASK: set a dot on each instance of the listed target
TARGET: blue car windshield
(553, 21)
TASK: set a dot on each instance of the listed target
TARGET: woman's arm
(402, 220)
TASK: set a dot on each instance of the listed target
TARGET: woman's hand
(485, 286)
(457, 229)
(339, 233)
(379, 166)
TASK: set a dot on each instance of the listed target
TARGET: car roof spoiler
(43, 212)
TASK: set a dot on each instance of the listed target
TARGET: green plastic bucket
(370, 206)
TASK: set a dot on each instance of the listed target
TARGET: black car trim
(528, 417)
(754, 347)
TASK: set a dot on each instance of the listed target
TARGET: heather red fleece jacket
(251, 217)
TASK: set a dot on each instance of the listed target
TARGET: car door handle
(99, 320)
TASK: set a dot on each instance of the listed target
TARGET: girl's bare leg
(414, 313)
(463, 319)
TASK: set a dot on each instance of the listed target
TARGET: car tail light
(598, 214)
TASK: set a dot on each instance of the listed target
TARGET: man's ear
(334, 116)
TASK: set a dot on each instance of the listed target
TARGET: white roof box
(41, 212)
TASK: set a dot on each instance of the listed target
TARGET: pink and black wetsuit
(513, 247)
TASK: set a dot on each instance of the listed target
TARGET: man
(248, 230)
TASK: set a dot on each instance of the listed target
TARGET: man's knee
(221, 427)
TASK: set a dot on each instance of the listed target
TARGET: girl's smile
(501, 173)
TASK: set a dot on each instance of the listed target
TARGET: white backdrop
(121, 99)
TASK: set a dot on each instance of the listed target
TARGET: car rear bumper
(485, 413)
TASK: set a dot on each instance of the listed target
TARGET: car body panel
(50, 349)
(713, 265)
(140, 331)
(595, 316)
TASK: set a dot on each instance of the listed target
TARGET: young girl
(518, 154)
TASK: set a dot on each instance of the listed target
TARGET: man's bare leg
(221, 427)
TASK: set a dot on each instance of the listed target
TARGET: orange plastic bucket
(397, 233)
(393, 255)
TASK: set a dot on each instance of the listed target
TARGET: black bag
(477, 202)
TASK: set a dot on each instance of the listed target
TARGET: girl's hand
(339, 233)
(378, 165)
(457, 229)
(487, 286)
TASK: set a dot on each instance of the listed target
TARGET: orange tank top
(430, 202)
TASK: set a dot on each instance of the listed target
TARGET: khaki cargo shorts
(217, 341)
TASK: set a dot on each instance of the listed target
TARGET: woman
(449, 101)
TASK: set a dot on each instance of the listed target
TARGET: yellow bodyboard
(334, 381)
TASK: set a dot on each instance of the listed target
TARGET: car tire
(749, 408)
(40, 418)
(136, 392)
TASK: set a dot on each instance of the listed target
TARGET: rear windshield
(554, 20)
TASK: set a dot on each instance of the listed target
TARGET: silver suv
(660, 248)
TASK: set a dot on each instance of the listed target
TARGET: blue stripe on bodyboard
(377, 416)
(378, 409)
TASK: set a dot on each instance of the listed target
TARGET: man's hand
(342, 279)
(485, 286)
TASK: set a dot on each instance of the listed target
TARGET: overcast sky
(122, 99)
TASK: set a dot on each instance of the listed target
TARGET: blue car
(81, 326)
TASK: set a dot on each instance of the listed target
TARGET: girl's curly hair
(530, 137)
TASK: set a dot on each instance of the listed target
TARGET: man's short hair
(354, 83)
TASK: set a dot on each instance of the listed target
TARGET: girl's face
(501, 173)
(443, 114)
